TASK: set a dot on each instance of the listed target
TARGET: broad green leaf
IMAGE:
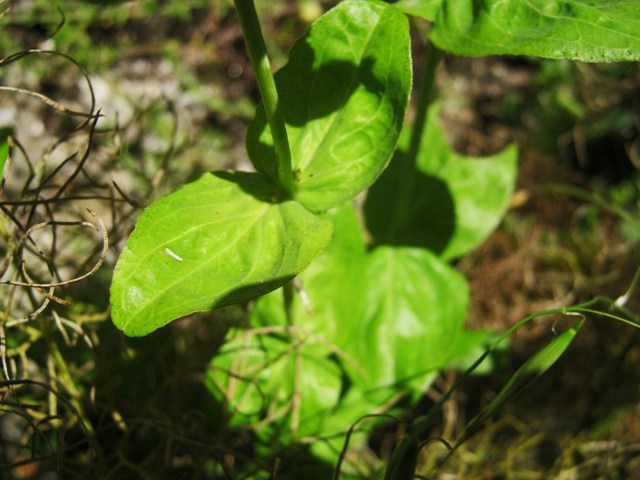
(584, 30)
(327, 306)
(331, 295)
(394, 314)
(343, 94)
(415, 308)
(288, 379)
(392, 317)
(457, 200)
(216, 241)
(426, 9)
(331, 287)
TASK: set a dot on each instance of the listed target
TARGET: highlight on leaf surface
(343, 94)
(389, 299)
(216, 241)
(584, 30)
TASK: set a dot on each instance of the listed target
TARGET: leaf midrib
(259, 216)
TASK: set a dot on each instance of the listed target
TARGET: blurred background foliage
(176, 91)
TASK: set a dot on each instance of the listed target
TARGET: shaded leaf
(344, 94)
(535, 366)
(457, 200)
(403, 461)
(585, 30)
(392, 317)
(349, 410)
(216, 241)
(285, 378)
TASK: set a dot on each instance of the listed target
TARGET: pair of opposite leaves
(225, 238)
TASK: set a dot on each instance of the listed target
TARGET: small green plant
(369, 318)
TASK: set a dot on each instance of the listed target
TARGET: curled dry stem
(53, 284)
(88, 116)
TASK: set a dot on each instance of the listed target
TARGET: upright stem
(407, 176)
(425, 91)
(267, 85)
(287, 295)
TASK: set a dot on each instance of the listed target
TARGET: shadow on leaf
(430, 218)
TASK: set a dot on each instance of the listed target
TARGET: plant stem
(266, 83)
(287, 295)
(407, 176)
(425, 90)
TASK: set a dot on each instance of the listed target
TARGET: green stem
(579, 310)
(407, 176)
(600, 201)
(267, 85)
(287, 294)
(425, 96)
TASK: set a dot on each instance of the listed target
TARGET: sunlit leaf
(330, 296)
(395, 315)
(426, 9)
(343, 95)
(391, 317)
(585, 30)
(415, 308)
(216, 241)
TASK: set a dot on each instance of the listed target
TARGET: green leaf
(535, 366)
(426, 9)
(343, 95)
(332, 287)
(328, 306)
(331, 298)
(585, 30)
(415, 308)
(216, 241)
(403, 461)
(457, 201)
(353, 405)
(392, 317)
(4, 151)
(393, 313)
(288, 379)
(471, 344)
(4, 154)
